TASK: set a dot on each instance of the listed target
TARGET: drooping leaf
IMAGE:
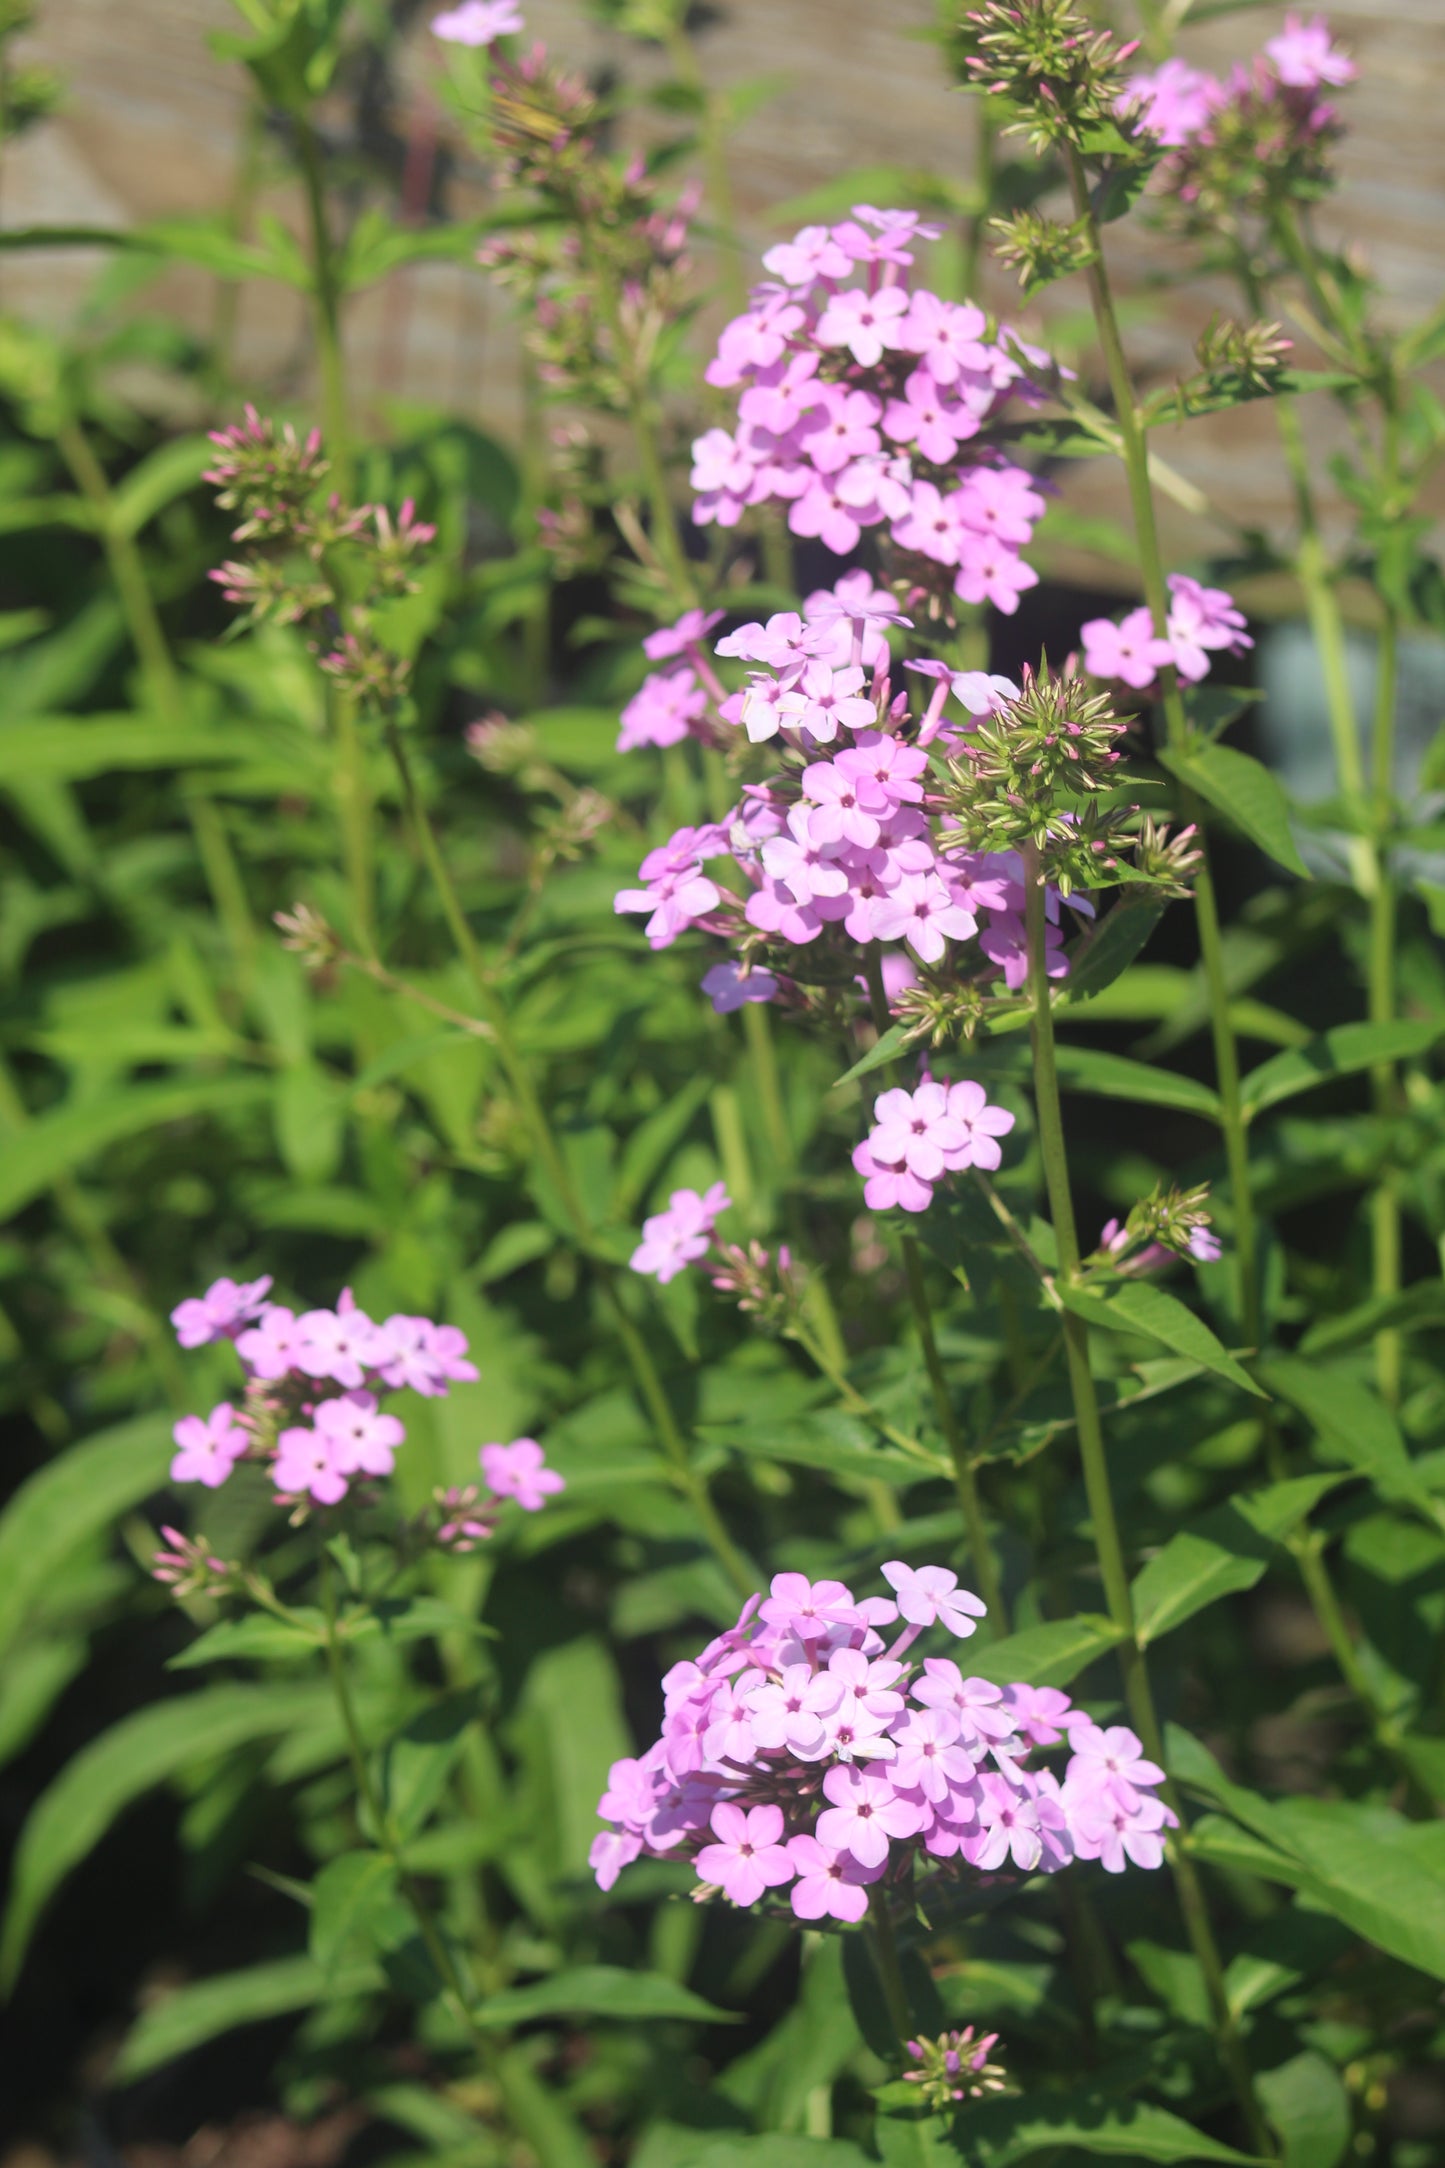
(356, 1913)
(1138, 1306)
(1345, 1051)
(144, 1750)
(83, 1490)
(890, 1044)
(187, 2017)
(1244, 790)
(1222, 1553)
(600, 1991)
(996, 2133)
(1353, 1426)
(1113, 1076)
(1111, 948)
(1048, 1655)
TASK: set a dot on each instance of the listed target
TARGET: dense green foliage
(476, 1130)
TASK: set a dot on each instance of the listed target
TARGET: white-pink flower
(477, 22)
(930, 1595)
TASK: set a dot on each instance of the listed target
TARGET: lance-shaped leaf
(600, 1991)
(1137, 1306)
(70, 1500)
(1345, 1051)
(1048, 1655)
(1222, 1553)
(1245, 791)
(205, 2009)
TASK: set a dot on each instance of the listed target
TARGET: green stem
(354, 811)
(884, 1945)
(1385, 1204)
(1109, 1549)
(757, 1031)
(1135, 452)
(326, 294)
(965, 1479)
(519, 1078)
(712, 142)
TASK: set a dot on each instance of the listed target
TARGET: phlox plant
(727, 1260)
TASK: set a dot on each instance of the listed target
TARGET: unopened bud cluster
(1047, 58)
(954, 2066)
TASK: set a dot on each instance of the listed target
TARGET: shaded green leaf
(187, 2017)
(1113, 1076)
(600, 1991)
(1244, 790)
(1344, 1051)
(1048, 1655)
(82, 1491)
(1306, 2101)
(1222, 1553)
(1138, 1306)
(1106, 953)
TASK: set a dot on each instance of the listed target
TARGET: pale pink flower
(519, 1471)
(360, 1440)
(219, 1314)
(931, 1596)
(1305, 55)
(748, 1857)
(681, 1234)
(477, 22)
(866, 324)
(864, 1812)
(1130, 651)
(831, 1884)
(209, 1446)
(305, 1463)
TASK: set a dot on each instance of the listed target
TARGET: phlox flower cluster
(921, 1136)
(849, 840)
(1265, 118)
(477, 22)
(311, 1408)
(864, 402)
(1202, 621)
(801, 1752)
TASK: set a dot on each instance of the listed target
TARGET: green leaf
(356, 1911)
(57, 1143)
(1137, 1306)
(1244, 790)
(1306, 2101)
(209, 243)
(601, 1991)
(1106, 953)
(1113, 1076)
(144, 1750)
(187, 2017)
(1049, 1655)
(73, 1498)
(59, 746)
(680, 2145)
(256, 1638)
(1223, 1552)
(1353, 1426)
(890, 1045)
(831, 1439)
(157, 480)
(31, 1682)
(996, 2133)
(1344, 1051)
(1381, 1875)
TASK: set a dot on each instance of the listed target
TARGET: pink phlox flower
(867, 1684)
(768, 705)
(791, 1711)
(1008, 1827)
(773, 908)
(678, 894)
(269, 1348)
(728, 986)
(748, 1857)
(930, 1759)
(890, 1182)
(779, 397)
(931, 525)
(914, 1128)
(361, 1440)
(846, 801)
(477, 22)
(340, 1344)
(982, 1125)
(983, 692)
(1305, 55)
(985, 1722)
(1117, 1757)
(831, 1884)
(681, 1234)
(1005, 943)
(221, 1313)
(519, 1471)
(925, 418)
(811, 255)
(1204, 1246)
(975, 881)
(811, 869)
(1174, 102)
(1202, 620)
(757, 338)
(876, 486)
(930, 1595)
(888, 242)
(990, 571)
(729, 1737)
(866, 324)
(426, 1357)
(690, 630)
(807, 1609)
(663, 710)
(785, 642)
(841, 427)
(209, 1446)
(889, 764)
(1000, 502)
(947, 335)
(685, 1730)
(864, 1812)
(838, 611)
(1103, 1828)
(305, 1464)
(1130, 651)
(922, 910)
(722, 478)
(609, 1852)
(1043, 1714)
(822, 514)
(828, 697)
